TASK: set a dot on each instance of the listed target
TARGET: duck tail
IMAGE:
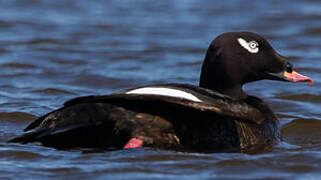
(25, 138)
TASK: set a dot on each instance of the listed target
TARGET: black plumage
(225, 119)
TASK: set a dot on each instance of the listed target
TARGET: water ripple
(52, 51)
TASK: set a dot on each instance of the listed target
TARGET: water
(51, 51)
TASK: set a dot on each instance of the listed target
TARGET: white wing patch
(252, 46)
(165, 92)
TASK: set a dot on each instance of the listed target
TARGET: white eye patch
(163, 91)
(252, 46)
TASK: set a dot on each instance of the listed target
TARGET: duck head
(236, 58)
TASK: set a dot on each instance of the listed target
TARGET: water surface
(51, 51)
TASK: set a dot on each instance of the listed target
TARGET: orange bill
(296, 77)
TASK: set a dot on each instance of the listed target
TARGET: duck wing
(95, 111)
(224, 107)
(208, 101)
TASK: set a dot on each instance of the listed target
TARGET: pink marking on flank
(133, 143)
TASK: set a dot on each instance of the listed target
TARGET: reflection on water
(52, 51)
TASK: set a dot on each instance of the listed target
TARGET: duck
(216, 116)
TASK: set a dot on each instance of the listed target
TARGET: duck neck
(223, 86)
(221, 75)
(233, 91)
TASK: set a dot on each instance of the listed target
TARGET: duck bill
(296, 77)
(290, 76)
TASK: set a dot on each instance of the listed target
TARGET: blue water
(51, 51)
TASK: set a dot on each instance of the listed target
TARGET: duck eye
(252, 46)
